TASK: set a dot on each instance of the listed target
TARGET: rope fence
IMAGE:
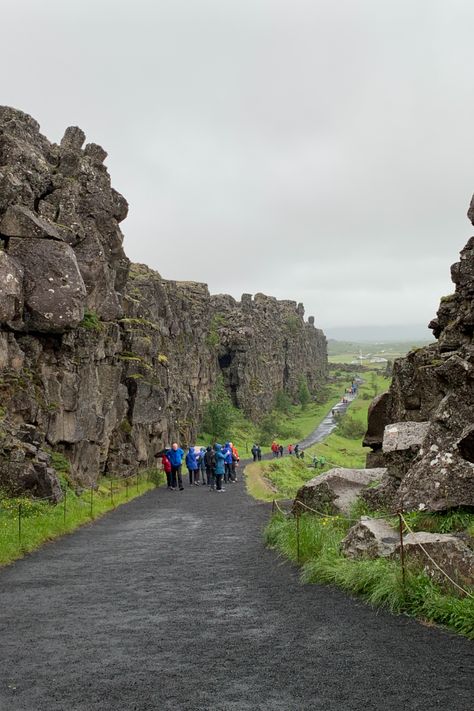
(453, 582)
(402, 522)
(87, 498)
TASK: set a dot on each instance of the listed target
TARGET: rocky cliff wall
(423, 428)
(103, 361)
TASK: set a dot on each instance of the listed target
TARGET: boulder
(440, 481)
(448, 551)
(337, 490)
(377, 419)
(19, 221)
(370, 538)
(54, 289)
(401, 443)
(383, 496)
(11, 288)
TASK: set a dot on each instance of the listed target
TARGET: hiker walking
(220, 467)
(254, 451)
(259, 453)
(297, 450)
(281, 450)
(193, 467)
(175, 456)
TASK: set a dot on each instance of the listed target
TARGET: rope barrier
(325, 515)
(308, 508)
(466, 592)
(277, 506)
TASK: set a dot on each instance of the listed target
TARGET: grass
(285, 476)
(42, 521)
(340, 451)
(258, 485)
(303, 420)
(379, 581)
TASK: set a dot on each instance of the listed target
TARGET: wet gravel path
(328, 425)
(171, 602)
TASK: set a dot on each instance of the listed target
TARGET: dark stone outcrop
(335, 491)
(447, 551)
(369, 538)
(435, 386)
(107, 361)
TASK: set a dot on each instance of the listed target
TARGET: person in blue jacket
(227, 452)
(193, 467)
(220, 467)
(175, 456)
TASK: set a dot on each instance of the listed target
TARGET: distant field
(348, 352)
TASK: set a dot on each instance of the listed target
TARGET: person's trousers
(218, 481)
(228, 472)
(176, 475)
(169, 479)
(193, 476)
(210, 477)
(233, 471)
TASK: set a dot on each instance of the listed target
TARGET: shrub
(304, 396)
(283, 402)
(350, 428)
(219, 414)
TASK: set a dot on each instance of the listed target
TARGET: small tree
(304, 395)
(219, 414)
(282, 402)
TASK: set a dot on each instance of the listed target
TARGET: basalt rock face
(265, 346)
(106, 362)
(433, 388)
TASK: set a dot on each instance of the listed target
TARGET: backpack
(210, 459)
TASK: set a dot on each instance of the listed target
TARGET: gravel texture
(172, 602)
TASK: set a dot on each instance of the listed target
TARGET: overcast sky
(310, 149)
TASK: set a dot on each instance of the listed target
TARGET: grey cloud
(314, 150)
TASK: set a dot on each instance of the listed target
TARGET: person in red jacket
(166, 467)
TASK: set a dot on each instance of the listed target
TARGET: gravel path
(328, 425)
(171, 602)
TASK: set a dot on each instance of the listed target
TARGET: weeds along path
(171, 602)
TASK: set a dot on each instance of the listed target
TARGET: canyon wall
(422, 430)
(105, 361)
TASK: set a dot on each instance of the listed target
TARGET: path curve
(172, 602)
(327, 425)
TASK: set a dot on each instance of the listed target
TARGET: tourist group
(206, 466)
